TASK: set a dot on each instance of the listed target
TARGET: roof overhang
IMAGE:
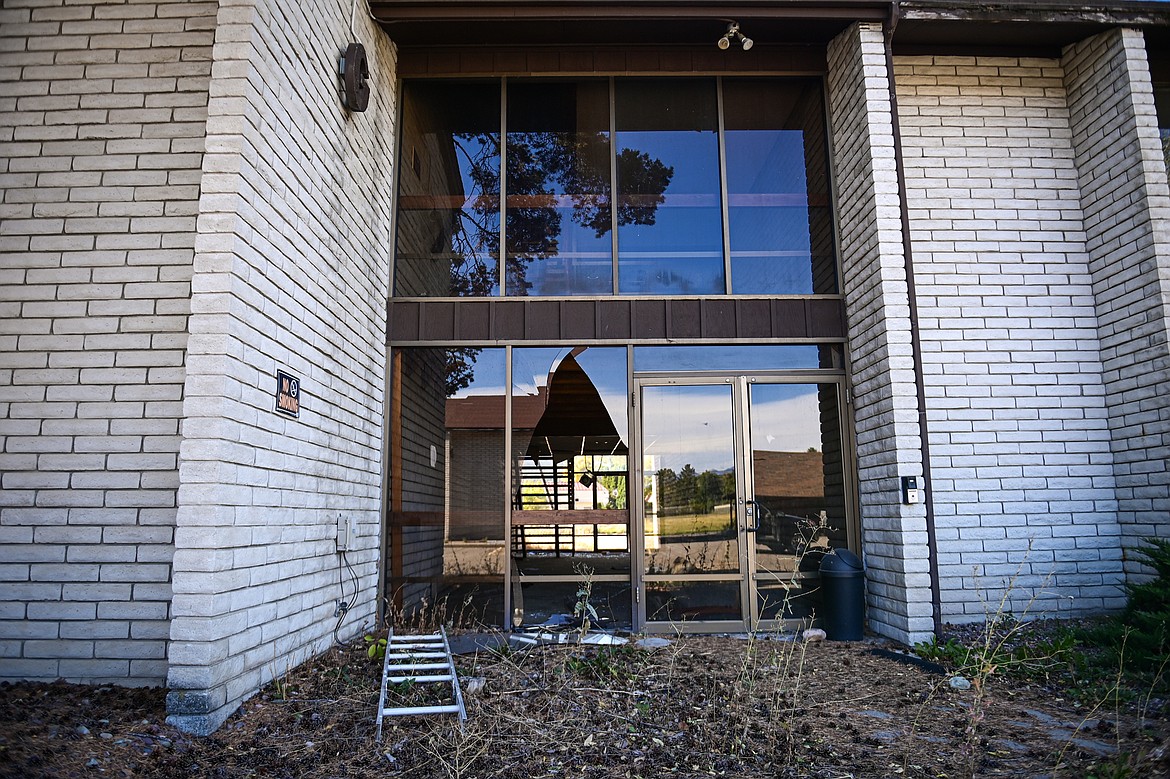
(1039, 27)
(594, 23)
(1036, 26)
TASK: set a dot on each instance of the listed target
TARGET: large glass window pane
(690, 601)
(765, 357)
(560, 208)
(448, 534)
(570, 506)
(448, 221)
(558, 605)
(780, 226)
(689, 480)
(799, 483)
(670, 236)
(558, 191)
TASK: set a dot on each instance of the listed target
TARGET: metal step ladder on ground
(422, 660)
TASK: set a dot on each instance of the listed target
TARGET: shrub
(1138, 640)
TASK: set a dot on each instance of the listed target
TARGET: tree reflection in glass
(559, 201)
(559, 211)
(475, 238)
(448, 223)
(558, 204)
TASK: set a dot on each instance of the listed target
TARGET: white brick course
(97, 252)
(874, 283)
(291, 272)
(1019, 436)
(1124, 196)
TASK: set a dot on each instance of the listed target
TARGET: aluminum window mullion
(636, 508)
(831, 185)
(729, 578)
(613, 185)
(745, 488)
(508, 608)
(571, 578)
(723, 186)
(502, 258)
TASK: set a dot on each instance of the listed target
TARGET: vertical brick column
(877, 305)
(291, 272)
(1122, 176)
(1019, 441)
(102, 119)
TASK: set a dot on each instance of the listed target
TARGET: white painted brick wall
(1021, 470)
(877, 305)
(291, 272)
(1122, 175)
(102, 113)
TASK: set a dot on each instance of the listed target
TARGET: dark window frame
(833, 257)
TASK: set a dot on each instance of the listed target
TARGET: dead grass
(703, 706)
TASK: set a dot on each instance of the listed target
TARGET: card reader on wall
(911, 493)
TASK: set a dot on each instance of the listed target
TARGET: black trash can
(842, 595)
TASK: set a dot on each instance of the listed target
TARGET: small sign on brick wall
(288, 394)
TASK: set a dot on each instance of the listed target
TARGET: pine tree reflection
(550, 175)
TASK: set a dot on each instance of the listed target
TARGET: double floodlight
(733, 33)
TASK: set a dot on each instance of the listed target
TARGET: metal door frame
(745, 490)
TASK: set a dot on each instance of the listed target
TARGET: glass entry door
(693, 541)
(743, 488)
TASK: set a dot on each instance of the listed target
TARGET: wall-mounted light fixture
(355, 73)
(733, 33)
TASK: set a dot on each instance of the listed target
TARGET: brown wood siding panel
(438, 62)
(508, 320)
(616, 320)
(684, 319)
(649, 319)
(578, 61)
(719, 320)
(421, 61)
(579, 319)
(403, 321)
(789, 319)
(543, 61)
(753, 318)
(474, 320)
(613, 320)
(610, 60)
(477, 62)
(395, 538)
(641, 60)
(437, 321)
(680, 61)
(826, 318)
(542, 319)
(714, 60)
(417, 519)
(511, 61)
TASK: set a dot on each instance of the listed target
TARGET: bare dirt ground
(703, 706)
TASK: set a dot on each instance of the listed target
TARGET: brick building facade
(188, 208)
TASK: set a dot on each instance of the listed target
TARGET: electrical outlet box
(347, 532)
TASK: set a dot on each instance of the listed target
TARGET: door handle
(756, 515)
